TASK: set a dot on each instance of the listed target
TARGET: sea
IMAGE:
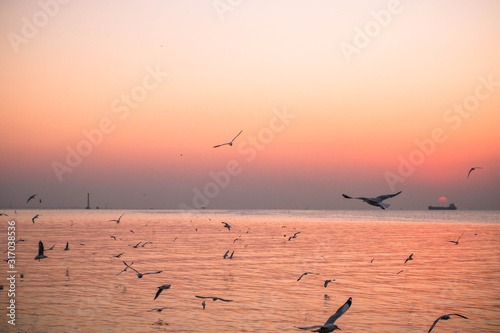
(364, 253)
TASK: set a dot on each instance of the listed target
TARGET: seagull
(34, 217)
(226, 225)
(67, 247)
(203, 304)
(225, 254)
(125, 269)
(118, 255)
(52, 247)
(327, 282)
(140, 275)
(229, 143)
(231, 256)
(117, 221)
(40, 252)
(294, 236)
(445, 317)
(113, 237)
(375, 201)
(160, 289)
(136, 245)
(456, 242)
(158, 309)
(305, 274)
(32, 197)
(214, 298)
(472, 169)
(409, 258)
(329, 325)
(3, 214)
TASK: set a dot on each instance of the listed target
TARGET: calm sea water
(79, 290)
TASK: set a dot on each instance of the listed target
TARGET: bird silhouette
(306, 273)
(231, 142)
(31, 197)
(40, 254)
(472, 169)
(377, 201)
(329, 326)
(456, 242)
(160, 289)
(117, 221)
(445, 317)
(409, 258)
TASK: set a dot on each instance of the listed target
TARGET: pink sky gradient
(354, 118)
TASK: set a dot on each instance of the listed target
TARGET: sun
(443, 199)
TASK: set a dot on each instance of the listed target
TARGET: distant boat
(450, 207)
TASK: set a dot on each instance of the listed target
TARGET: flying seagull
(226, 225)
(327, 282)
(409, 258)
(67, 247)
(294, 235)
(117, 221)
(445, 317)
(32, 197)
(34, 217)
(375, 201)
(229, 143)
(456, 242)
(472, 169)
(140, 275)
(329, 325)
(40, 252)
(305, 274)
(118, 255)
(125, 269)
(214, 298)
(158, 309)
(160, 289)
(2, 214)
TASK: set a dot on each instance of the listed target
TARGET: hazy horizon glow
(165, 81)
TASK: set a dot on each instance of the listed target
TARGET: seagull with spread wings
(229, 143)
(456, 242)
(329, 326)
(40, 252)
(445, 317)
(377, 201)
(214, 298)
(117, 221)
(140, 275)
(472, 169)
(31, 197)
(160, 289)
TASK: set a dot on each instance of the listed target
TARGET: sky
(126, 99)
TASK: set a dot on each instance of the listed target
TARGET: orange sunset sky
(125, 100)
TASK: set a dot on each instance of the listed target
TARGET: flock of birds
(328, 326)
